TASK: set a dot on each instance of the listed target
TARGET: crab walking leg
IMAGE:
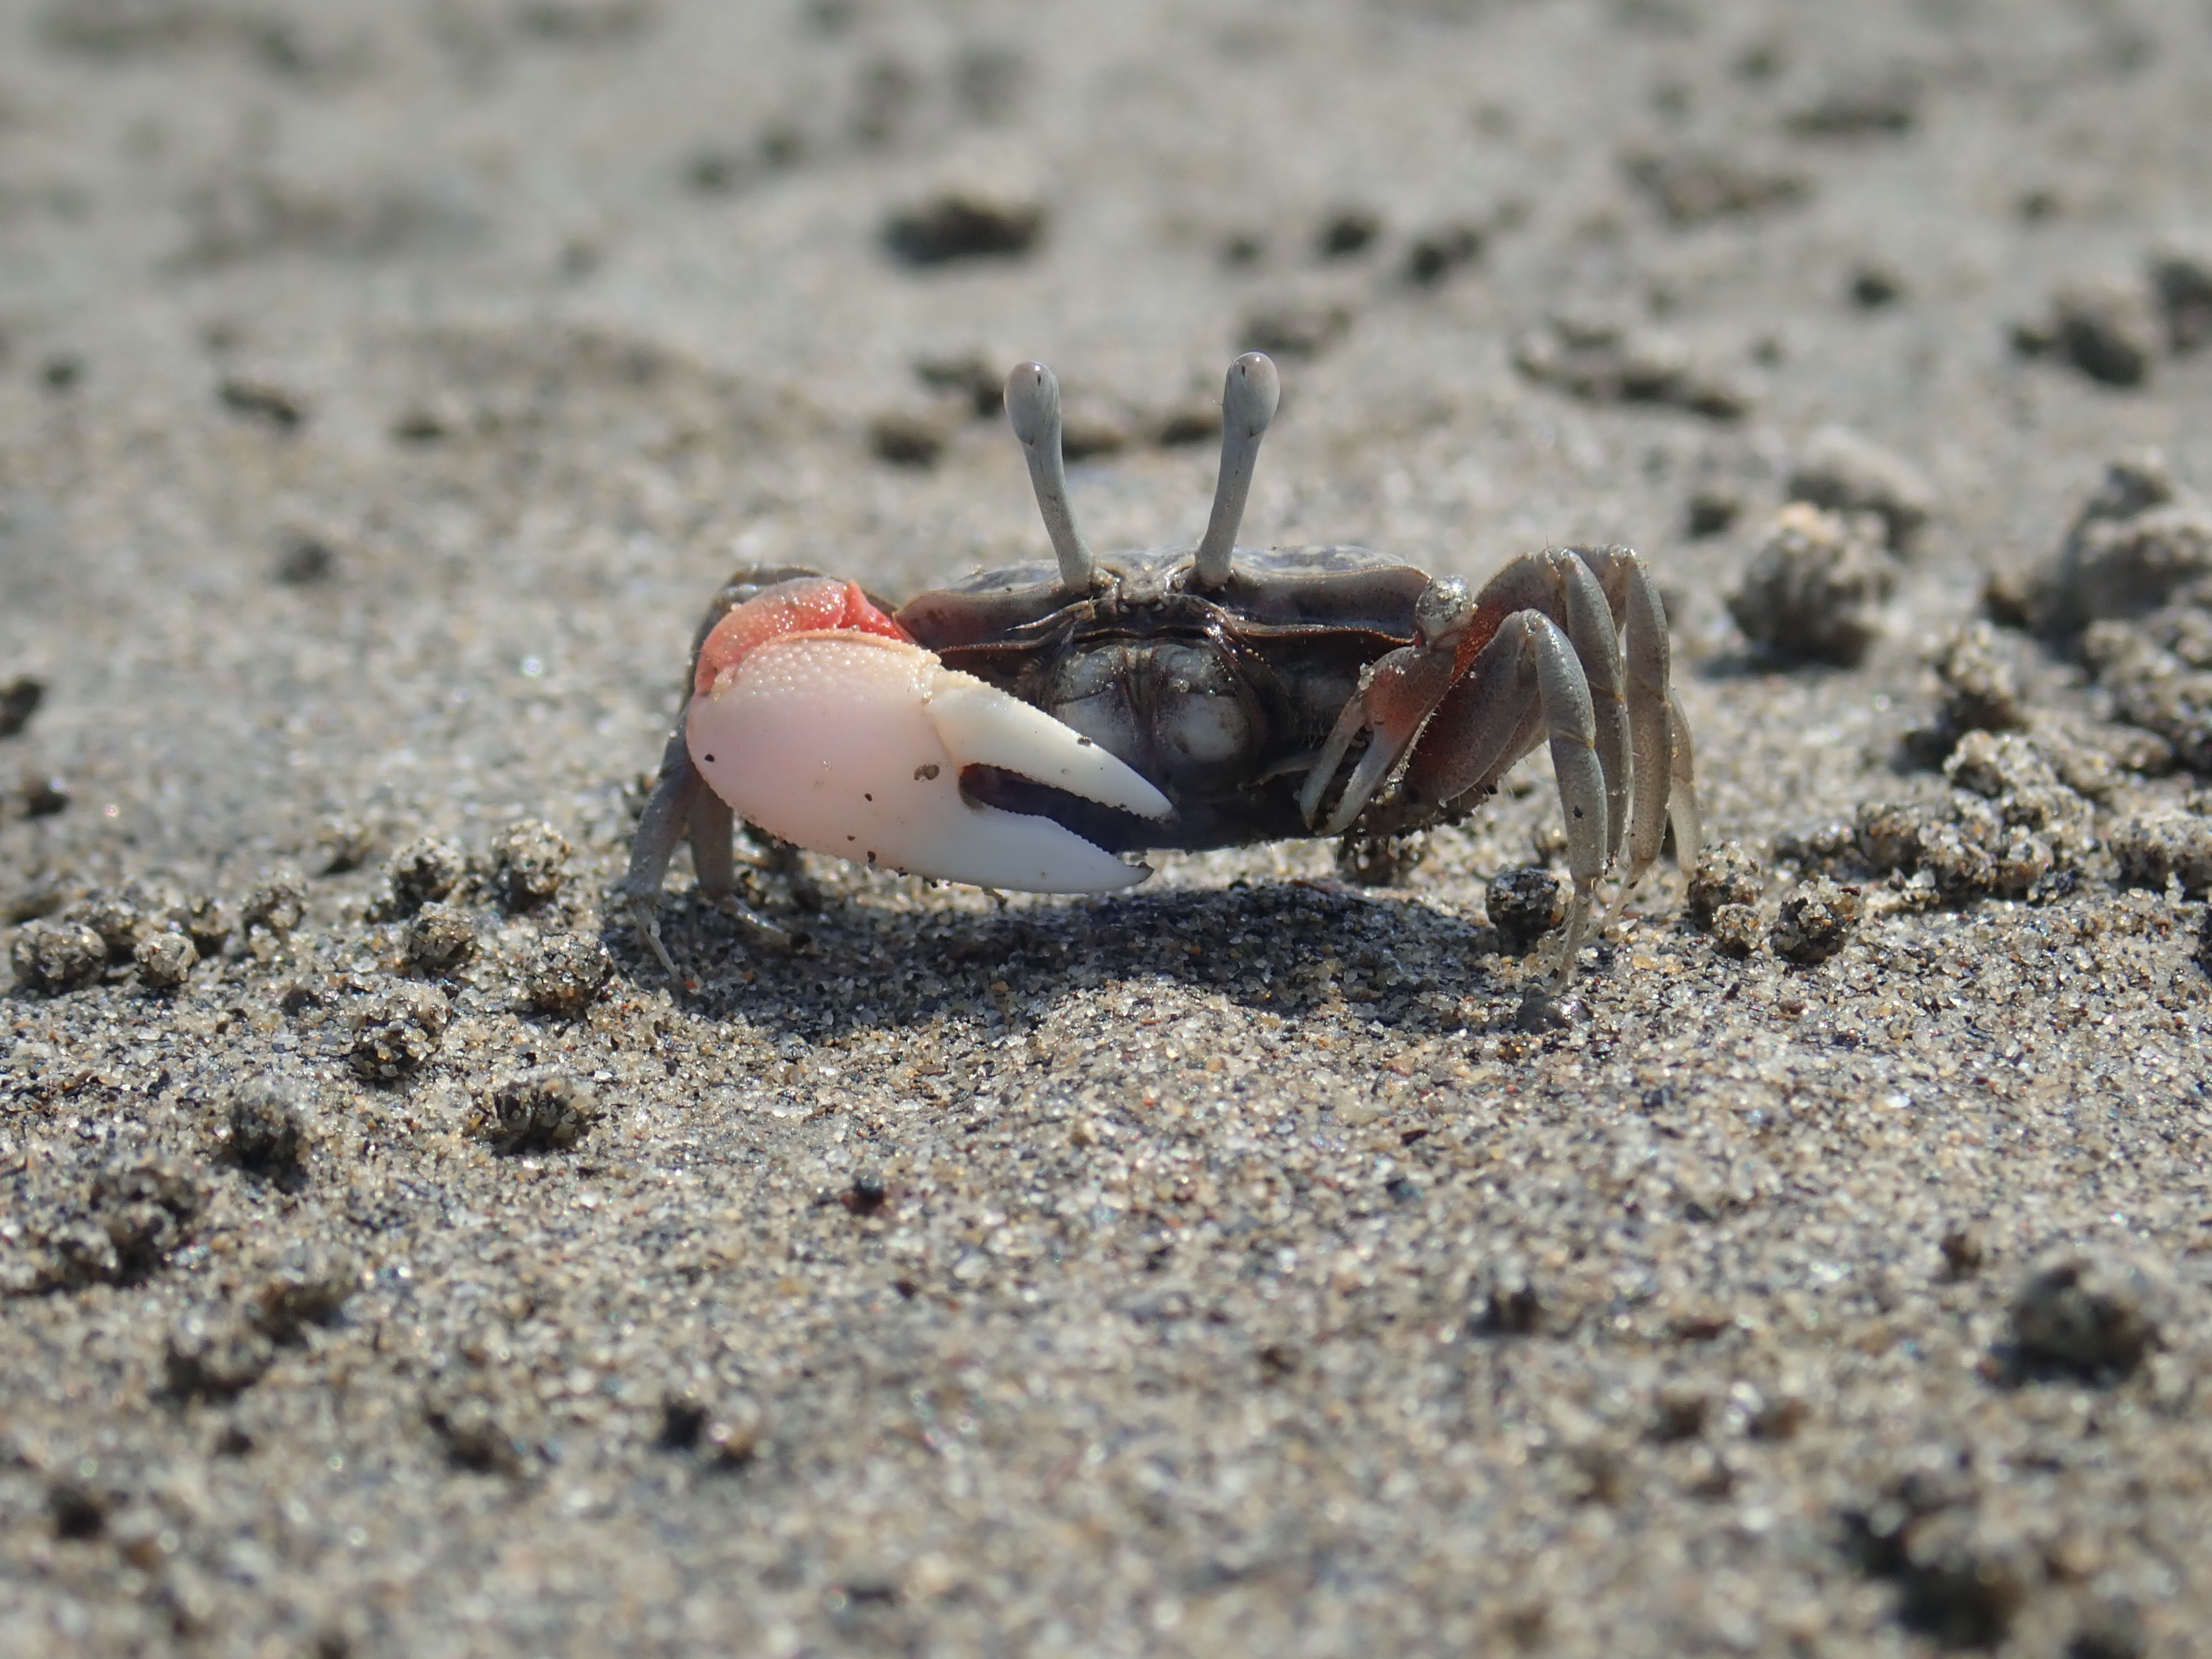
(1560, 584)
(1530, 669)
(1657, 731)
(668, 811)
(713, 833)
(851, 743)
(1682, 798)
(681, 807)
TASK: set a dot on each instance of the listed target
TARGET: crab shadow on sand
(1295, 949)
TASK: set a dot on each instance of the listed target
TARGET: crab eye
(1442, 611)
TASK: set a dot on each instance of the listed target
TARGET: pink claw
(815, 716)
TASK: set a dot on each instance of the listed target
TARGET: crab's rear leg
(1662, 781)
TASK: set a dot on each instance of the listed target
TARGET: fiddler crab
(1024, 730)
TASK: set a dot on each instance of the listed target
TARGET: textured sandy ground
(1220, 1268)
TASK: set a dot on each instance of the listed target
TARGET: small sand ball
(146, 1207)
(2086, 1314)
(1890, 835)
(480, 1433)
(2182, 278)
(908, 437)
(421, 872)
(54, 957)
(441, 939)
(268, 1133)
(215, 1355)
(732, 1436)
(1524, 905)
(1713, 506)
(2020, 862)
(399, 1032)
(538, 1112)
(1981, 688)
(1817, 920)
(564, 973)
(2138, 540)
(166, 1183)
(77, 1511)
(528, 861)
(1815, 589)
(203, 920)
(1818, 848)
(1726, 874)
(308, 1288)
(1999, 767)
(120, 918)
(2109, 330)
(1972, 853)
(1735, 929)
(165, 960)
(2153, 850)
(343, 844)
(1846, 473)
(277, 907)
(79, 1254)
(968, 219)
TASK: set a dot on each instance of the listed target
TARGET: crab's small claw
(1396, 696)
(1388, 710)
(853, 742)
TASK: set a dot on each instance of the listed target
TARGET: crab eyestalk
(1249, 400)
(1033, 410)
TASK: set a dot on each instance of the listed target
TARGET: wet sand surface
(394, 1261)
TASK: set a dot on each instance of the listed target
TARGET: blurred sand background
(1220, 1268)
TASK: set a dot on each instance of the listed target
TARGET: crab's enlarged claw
(851, 742)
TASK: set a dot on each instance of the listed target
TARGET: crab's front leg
(683, 807)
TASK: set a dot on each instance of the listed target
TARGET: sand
(1222, 1268)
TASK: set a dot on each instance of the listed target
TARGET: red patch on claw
(805, 604)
